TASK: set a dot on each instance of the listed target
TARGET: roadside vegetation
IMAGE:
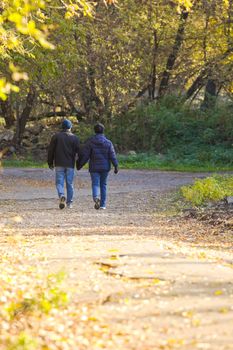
(213, 189)
(177, 136)
(157, 74)
(169, 135)
(141, 161)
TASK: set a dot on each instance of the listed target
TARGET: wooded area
(99, 60)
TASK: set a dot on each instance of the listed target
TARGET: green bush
(210, 189)
(179, 132)
(83, 131)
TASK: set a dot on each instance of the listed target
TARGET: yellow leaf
(15, 17)
(188, 314)
(156, 281)
(224, 310)
(202, 255)
(114, 257)
(17, 76)
(196, 322)
(45, 43)
(173, 341)
(150, 272)
(17, 219)
(218, 292)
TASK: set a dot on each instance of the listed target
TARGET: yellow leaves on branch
(226, 3)
(76, 7)
(16, 74)
(19, 18)
(26, 18)
(20, 14)
(6, 87)
(187, 4)
(110, 2)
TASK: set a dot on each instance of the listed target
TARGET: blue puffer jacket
(100, 153)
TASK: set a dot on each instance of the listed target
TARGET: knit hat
(99, 128)
(66, 124)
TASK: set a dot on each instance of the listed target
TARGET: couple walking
(64, 150)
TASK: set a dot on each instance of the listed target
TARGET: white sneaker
(102, 208)
(69, 205)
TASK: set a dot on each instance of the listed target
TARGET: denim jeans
(65, 175)
(99, 186)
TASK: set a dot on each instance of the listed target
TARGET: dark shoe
(62, 202)
(97, 203)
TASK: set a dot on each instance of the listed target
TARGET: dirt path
(151, 289)
(133, 197)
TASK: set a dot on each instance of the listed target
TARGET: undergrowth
(213, 188)
(177, 134)
(166, 135)
(146, 161)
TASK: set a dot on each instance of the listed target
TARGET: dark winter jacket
(100, 153)
(63, 149)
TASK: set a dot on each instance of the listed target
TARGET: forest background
(157, 73)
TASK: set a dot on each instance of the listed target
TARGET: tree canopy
(96, 59)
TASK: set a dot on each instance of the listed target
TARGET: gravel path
(157, 294)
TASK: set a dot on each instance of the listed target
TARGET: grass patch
(167, 162)
(141, 161)
(22, 163)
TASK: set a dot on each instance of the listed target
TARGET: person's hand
(78, 167)
(116, 170)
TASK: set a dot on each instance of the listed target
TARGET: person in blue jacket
(100, 153)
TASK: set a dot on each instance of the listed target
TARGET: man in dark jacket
(100, 153)
(63, 148)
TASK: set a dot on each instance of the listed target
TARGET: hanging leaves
(187, 4)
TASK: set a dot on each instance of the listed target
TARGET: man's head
(66, 124)
(99, 128)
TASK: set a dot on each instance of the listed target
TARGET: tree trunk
(153, 67)
(173, 55)
(7, 113)
(95, 100)
(92, 104)
(210, 94)
(73, 109)
(198, 83)
(93, 95)
(84, 91)
(24, 116)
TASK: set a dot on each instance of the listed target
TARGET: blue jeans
(99, 186)
(65, 175)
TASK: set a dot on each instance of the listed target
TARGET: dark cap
(99, 128)
(66, 124)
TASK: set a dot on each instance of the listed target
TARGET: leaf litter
(97, 286)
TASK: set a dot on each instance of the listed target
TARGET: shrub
(210, 189)
(83, 131)
(171, 127)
